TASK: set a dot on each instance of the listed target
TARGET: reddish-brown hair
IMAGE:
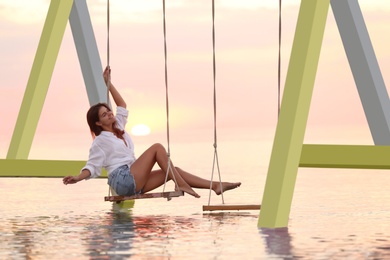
(93, 117)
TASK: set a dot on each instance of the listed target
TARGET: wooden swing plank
(231, 207)
(168, 195)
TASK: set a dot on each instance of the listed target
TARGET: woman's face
(106, 118)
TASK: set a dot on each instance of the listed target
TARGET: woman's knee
(158, 147)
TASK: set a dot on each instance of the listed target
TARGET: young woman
(113, 149)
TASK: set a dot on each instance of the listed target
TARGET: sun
(140, 130)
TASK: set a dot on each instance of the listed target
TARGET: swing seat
(168, 195)
(222, 207)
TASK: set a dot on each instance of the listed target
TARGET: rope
(279, 54)
(169, 168)
(108, 52)
(215, 160)
(166, 75)
(108, 64)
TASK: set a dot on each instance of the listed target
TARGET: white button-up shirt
(108, 151)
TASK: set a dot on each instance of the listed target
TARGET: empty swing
(223, 206)
(170, 194)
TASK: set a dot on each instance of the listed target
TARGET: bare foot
(225, 186)
(189, 190)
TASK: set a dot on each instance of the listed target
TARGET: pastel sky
(246, 53)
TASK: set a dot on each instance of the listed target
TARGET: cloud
(246, 52)
(23, 12)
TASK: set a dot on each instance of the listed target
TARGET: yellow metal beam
(290, 131)
(345, 156)
(39, 80)
(40, 168)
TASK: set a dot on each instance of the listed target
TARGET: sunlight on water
(336, 214)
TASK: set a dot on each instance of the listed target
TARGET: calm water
(336, 214)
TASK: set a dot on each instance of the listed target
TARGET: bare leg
(156, 179)
(143, 174)
(197, 182)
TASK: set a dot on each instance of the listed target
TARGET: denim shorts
(122, 181)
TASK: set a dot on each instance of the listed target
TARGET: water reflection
(142, 232)
(226, 217)
(114, 234)
(122, 233)
(23, 236)
(163, 235)
(278, 242)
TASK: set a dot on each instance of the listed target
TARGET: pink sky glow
(246, 52)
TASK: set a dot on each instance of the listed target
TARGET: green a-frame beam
(60, 11)
(288, 151)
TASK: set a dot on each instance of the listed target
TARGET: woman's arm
(74, 179)
(119, 101)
